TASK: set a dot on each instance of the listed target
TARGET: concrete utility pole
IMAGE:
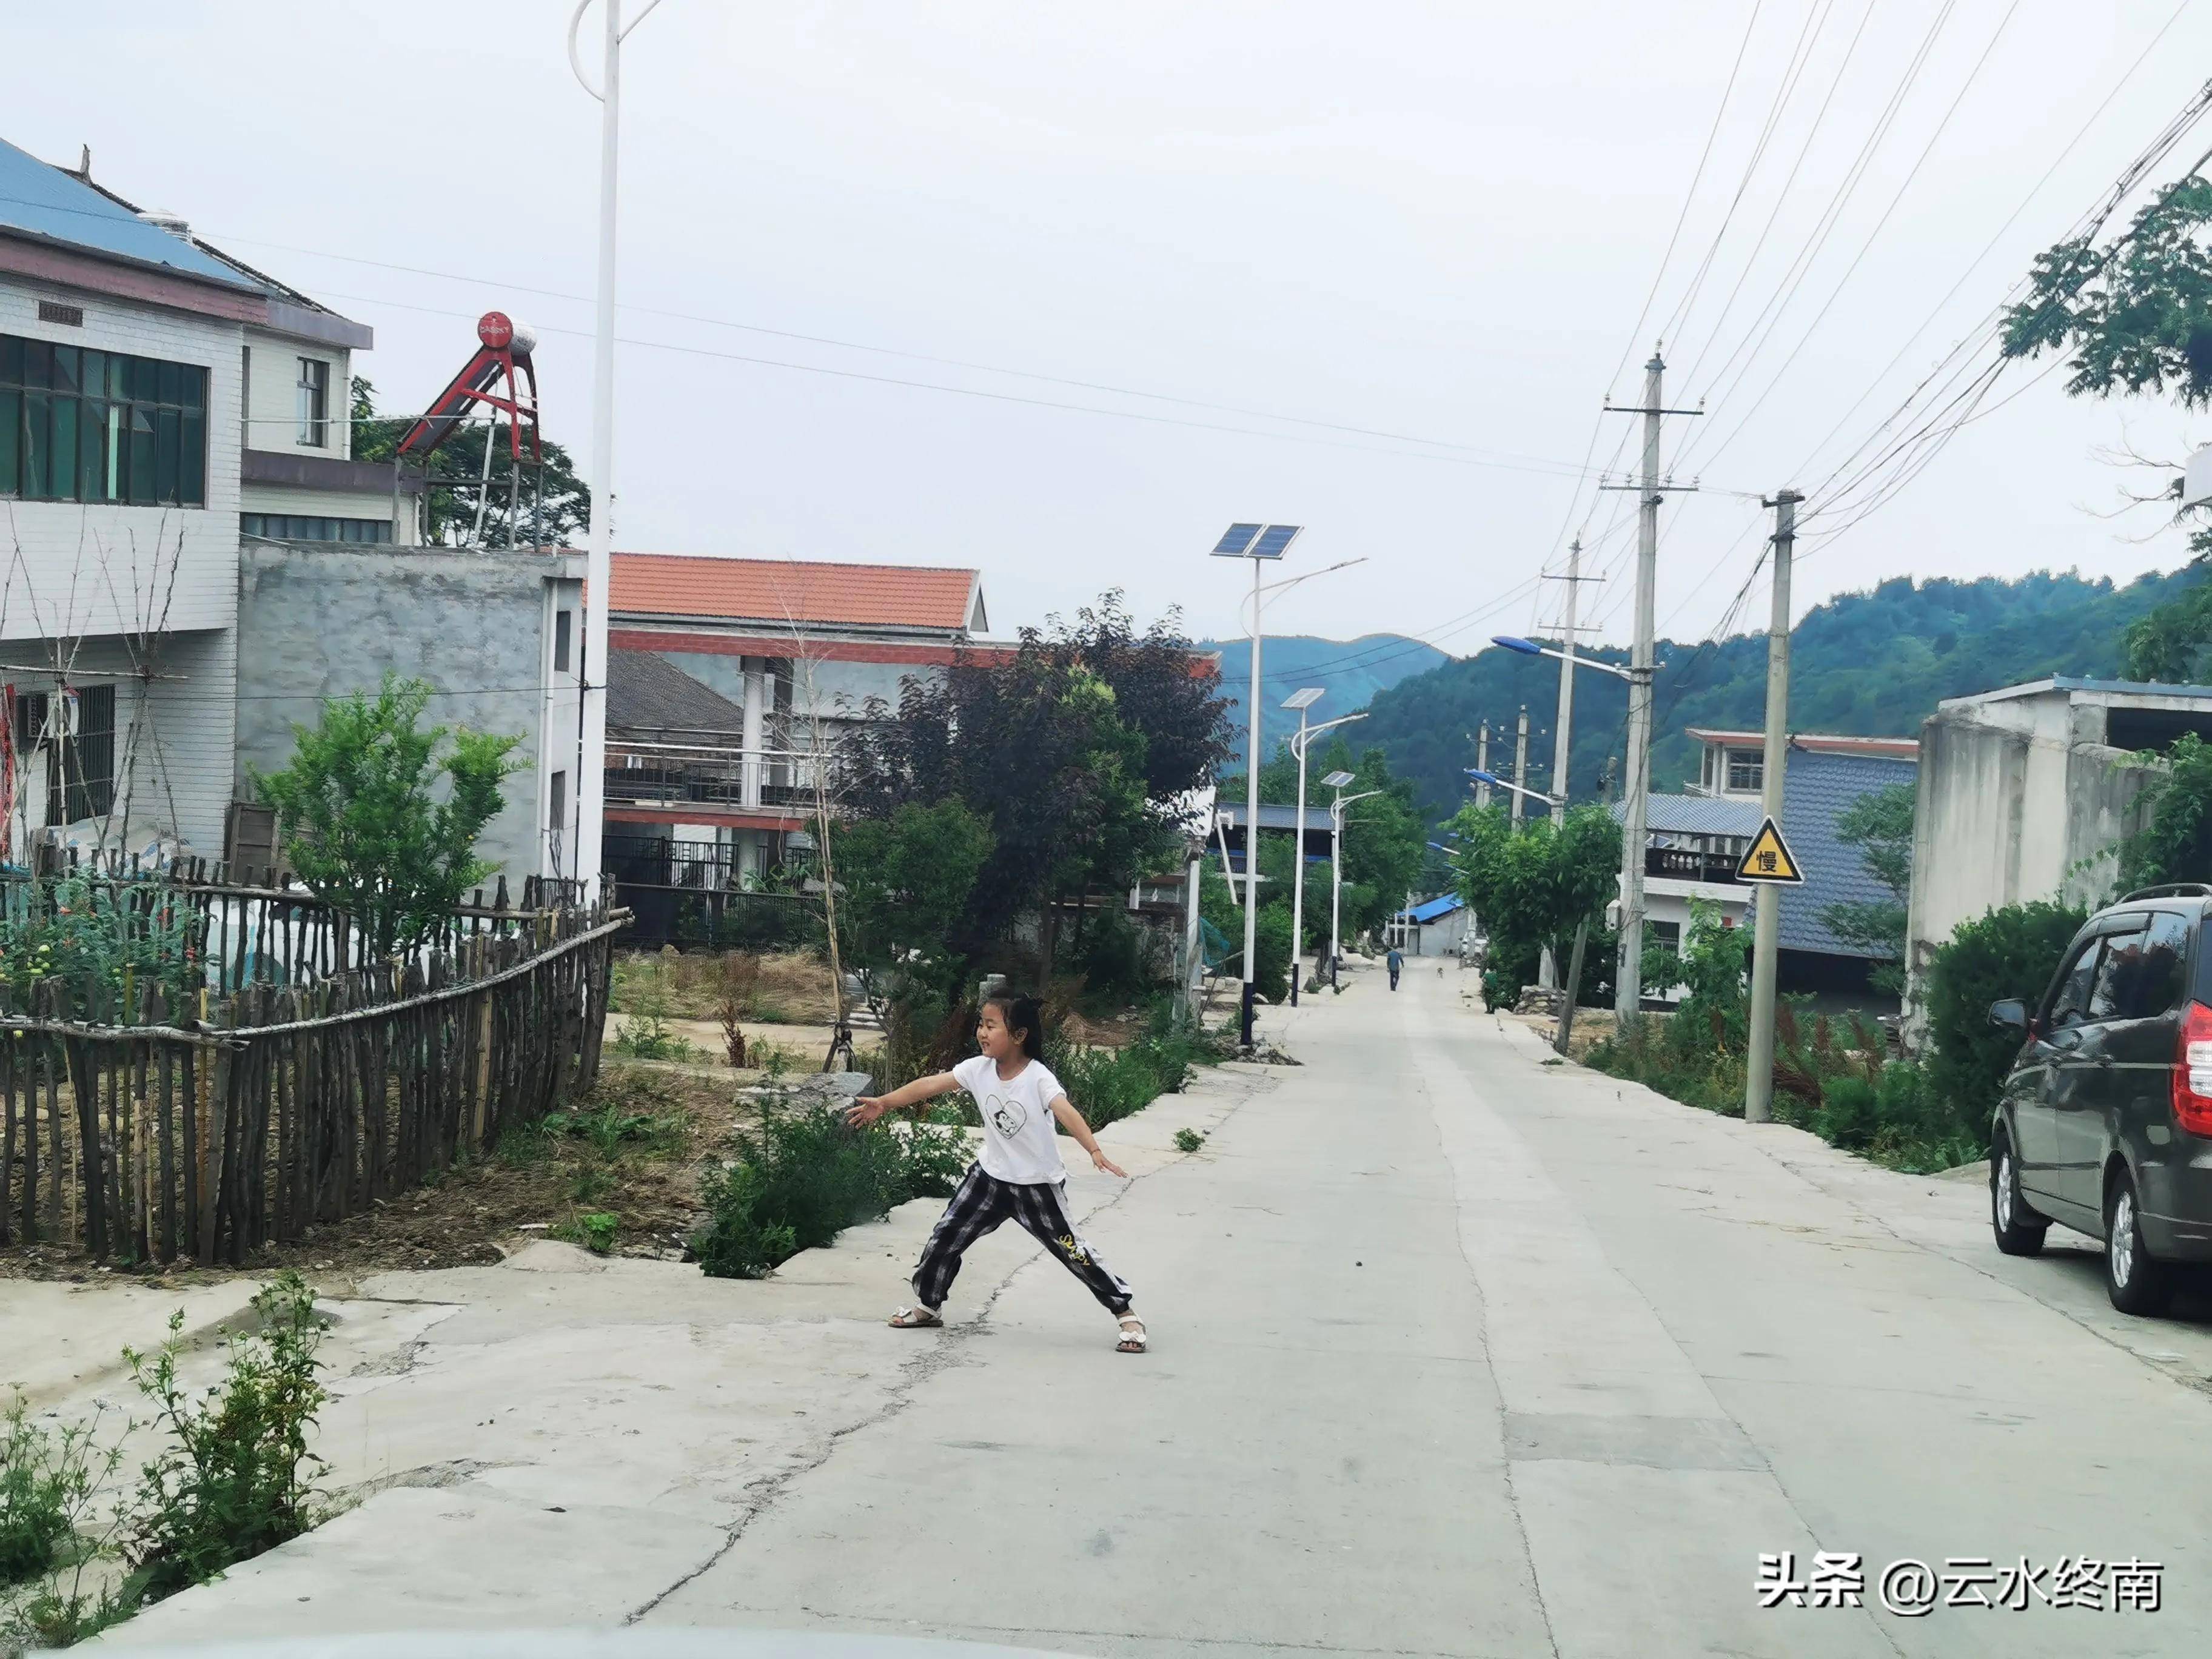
(1520, 764)
(1767, 930)
(1563, 731)
(1629, 977)
(1482, 765)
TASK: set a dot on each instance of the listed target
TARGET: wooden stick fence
(174, 1136)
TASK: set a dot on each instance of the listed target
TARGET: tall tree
(2136, 314)
(1533, 885)
(563, 514)
(1079, 749)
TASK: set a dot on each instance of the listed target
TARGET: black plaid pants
(981, 1203)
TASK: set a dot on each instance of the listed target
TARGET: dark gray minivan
(2105, 1125)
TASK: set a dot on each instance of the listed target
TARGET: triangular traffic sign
(1769, 858)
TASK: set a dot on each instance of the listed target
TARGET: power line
(1527, 464)
(1800, 267)
(1858, 257)
(1781, 197)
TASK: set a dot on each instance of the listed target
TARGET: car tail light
(2192, 1072)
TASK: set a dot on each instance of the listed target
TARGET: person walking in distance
(1017, 1172)
(1397, 961)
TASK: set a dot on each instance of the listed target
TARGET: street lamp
(1257, 543)
(1301, 701)
(1336, 781)
(1496, 782)
(1530, 648)
(599, 558)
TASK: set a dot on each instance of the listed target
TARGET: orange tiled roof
(798, 590)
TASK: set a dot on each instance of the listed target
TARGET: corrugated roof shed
(646, 691)
(1432, 909)
(779, 592)
(41, 200)
(1816, 792)
(1696, 815)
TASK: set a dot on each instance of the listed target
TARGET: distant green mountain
(1351, 671)
(1874, 664)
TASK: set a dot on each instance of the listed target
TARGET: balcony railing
(1682, 864)
(679, 774)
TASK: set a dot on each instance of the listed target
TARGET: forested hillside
(1873, 664)
(1351, 671)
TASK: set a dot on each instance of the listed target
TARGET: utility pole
(1519, 765)
(1482, 765)
(1766, 930)
(1628, 979)
(1562, 732)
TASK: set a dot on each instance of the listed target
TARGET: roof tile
(784, 590)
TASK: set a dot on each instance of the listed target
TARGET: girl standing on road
(1017, 1172)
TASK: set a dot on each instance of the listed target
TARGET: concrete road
(1460, 1353)
(1456, 1351)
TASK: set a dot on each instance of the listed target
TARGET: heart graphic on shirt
(1007, 1114)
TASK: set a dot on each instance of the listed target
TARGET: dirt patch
(788, 988)
(636, 1150)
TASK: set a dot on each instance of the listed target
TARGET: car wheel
(2137, 1282)
(2018, 1229)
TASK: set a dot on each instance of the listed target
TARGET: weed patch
(806, 1176)
(1188, 1140)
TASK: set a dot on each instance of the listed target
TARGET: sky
(1079, 286)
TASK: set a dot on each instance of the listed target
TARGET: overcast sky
(1435, 221)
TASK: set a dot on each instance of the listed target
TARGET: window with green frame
(78, 424)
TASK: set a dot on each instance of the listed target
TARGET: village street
(1456, 1351)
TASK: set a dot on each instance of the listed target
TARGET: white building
(2025, 794)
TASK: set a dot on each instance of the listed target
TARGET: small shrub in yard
(237, 1478)
(647, 1037)
(805, 1176)
(49, 1479)
(2010, 953)
(1188, 1140)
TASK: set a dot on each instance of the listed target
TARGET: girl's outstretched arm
(868, 1107)
(1072, 1121)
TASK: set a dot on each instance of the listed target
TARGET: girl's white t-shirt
(1020, 1142)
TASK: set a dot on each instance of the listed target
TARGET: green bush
(1271, 951)
(48, 1478)
(236, 1479)
(806, 1175)
(2011, 952)
(1107, 1085)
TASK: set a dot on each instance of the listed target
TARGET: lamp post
(598, 559)
(1336, 781)
(1257, 543)
(1303, 699)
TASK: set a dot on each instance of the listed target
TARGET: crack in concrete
(949, 1350)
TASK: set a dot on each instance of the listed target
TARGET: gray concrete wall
(2018, 801)
(324, 622)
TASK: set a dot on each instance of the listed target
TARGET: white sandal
(914, 1318)
(1132, 1340)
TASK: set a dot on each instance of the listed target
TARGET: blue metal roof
(1435, 909)
(1696, 815)
(44, 201)
(1816, 792)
